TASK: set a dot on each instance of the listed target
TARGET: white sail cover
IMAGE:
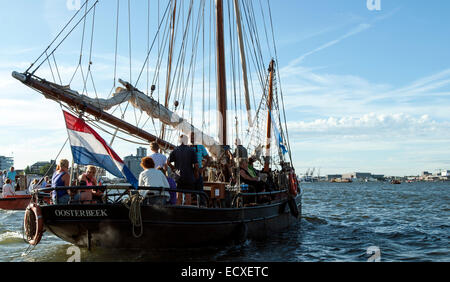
(154, 109)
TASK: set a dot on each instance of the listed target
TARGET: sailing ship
(20, 199)
(189, 39)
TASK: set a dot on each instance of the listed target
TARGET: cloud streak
(360, 28)
(352, 32)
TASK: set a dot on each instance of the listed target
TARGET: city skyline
(365, 90)
(314, 172)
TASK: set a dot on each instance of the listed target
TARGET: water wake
(10, 237)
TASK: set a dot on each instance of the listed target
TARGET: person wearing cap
(241, 151)
(186, 165)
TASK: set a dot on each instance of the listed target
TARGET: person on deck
(12, 175)
(45, 182)
(173, 186)
(8, 189)
(251, 169)
(4, 176)
(88, 179)
(61, 178)
(201, 154)
(186, 164)
(1, 179)
(33, 185)
(151, 177)
(241, 151)
(159, 159)
(254, 182)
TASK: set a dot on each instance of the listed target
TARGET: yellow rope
(134, 205)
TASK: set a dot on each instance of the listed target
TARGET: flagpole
(71, 173)
(95, 148)
(68, 136)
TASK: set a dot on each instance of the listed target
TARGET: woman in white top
(151, 177)
(8, 189)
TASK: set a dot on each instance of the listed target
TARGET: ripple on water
(315, 220)
(11, 237)
(339, 223)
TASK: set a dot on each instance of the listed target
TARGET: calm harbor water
(407, 222)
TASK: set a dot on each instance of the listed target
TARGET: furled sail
(154, 109)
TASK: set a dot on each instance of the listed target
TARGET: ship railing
(115, 193)
(259, 197)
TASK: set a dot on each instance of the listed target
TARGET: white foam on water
(10, 237)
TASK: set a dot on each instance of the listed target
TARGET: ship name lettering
(81, 213)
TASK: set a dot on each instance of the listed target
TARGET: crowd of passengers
(182, 170)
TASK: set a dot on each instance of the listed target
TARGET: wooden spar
(57, 93)
(269, 118)
(169, 66)
(243, 61)
(221, 75)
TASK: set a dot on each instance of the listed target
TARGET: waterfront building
(357, 176)
(133, 162)
(141, 151)
(36, 167)
(379, 177)
(6, 162)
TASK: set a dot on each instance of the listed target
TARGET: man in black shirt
(186, 166)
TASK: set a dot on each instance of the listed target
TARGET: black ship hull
(109, 225)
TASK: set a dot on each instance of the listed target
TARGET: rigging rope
(134, 214)
(281, 91)
(57, 70)
(184, 75)
(48, 47)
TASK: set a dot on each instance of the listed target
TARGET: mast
(169, 67)
(243, 61)
(269, 116)
(221, 75)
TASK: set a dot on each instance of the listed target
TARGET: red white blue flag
(88, 148)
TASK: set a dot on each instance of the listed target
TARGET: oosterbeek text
(81, 213)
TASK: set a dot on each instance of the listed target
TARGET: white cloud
(375, 127)
(319, 94)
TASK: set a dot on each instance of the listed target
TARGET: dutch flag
(88, 148)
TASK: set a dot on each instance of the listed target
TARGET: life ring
(33, 224)
(293, 184)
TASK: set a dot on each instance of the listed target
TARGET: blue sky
(364, 90)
